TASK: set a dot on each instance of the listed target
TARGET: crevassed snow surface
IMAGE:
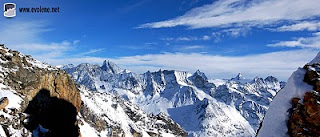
(275, 121)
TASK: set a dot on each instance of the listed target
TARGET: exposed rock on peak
(200, 80)
(238, 77)
(110, 67)
(201, 74)
(271, 79)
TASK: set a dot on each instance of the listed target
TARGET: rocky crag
(304, 120)
(295, 110)
(22, 78)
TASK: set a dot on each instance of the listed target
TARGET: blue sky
(221, 38)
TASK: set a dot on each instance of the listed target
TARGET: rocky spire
(238, 77)
(201, 74)
(110, 67)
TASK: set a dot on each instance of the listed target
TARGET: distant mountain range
(203, 107)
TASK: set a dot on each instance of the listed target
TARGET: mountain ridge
(164, 91)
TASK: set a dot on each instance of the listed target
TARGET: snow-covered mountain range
(203, 107)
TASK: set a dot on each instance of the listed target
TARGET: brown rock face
(3, 102)
(28, 79)
(304, 120)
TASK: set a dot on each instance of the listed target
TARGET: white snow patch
(218, 82)
(167, 135)
(14, 100)
(87, 131)
(2, 133)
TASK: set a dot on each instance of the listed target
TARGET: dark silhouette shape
(56, 115)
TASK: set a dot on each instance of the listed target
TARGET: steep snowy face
(211, 118)
(178, 93)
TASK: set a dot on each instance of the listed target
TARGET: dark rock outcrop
(304, 120)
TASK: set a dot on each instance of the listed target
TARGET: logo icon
(9, 10)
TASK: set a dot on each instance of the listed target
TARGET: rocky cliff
(22, 79)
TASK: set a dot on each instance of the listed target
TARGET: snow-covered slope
(104, 114)
(235, 107)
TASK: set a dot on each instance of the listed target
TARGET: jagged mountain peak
(109, 66)
(271, 79)
(201, 74)
(238, 77)
(257, 79)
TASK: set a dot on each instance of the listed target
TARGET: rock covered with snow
(293, 104)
